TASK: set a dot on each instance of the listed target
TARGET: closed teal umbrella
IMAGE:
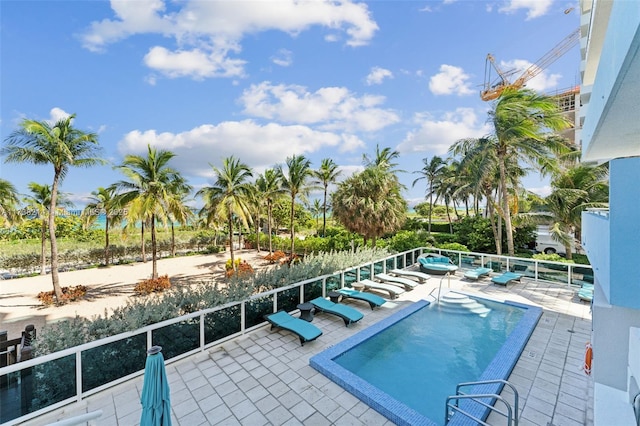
(156, 404)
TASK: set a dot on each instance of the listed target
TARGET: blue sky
(264, 80)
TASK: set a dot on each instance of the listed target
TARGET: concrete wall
(596, 242)
(611, 342)
(624, 228)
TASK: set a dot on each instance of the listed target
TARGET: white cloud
(542, 82)
(450, 80)
(283, 57)
(377, 75)
(203, 34)
(260, 146)
(331, 108)
(436, 135)
(56, 114)
(196, 63)
(534, 8)
(542, 191)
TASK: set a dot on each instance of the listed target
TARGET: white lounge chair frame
(394, 290)
(421, 276)
(405, 282)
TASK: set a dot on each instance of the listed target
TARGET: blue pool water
(406, 365)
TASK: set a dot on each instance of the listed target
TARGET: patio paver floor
(264, 377)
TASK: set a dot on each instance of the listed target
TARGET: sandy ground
(108, 288)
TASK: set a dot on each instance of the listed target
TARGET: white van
(547, 245)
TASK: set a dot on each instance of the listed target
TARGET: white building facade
(610, 133)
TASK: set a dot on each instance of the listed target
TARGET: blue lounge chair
(437, 265)
(404, 282)
(305, 331)
(347, 313)
(373, 299)
(394, 290)
(421, 276)
(476, 274)
(586, 292)
(506, 278)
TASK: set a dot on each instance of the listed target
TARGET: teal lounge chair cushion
(585, 294)
(373, 299)
(306, 331)
(436, 265)
(476, 273)
(347, 313)
(394, 290)
(506, 278)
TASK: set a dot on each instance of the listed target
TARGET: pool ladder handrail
(452, 408)
(439, 288)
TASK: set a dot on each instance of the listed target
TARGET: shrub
(152, 285)
(228, 266)
(69, 294)
(407, 240)
(243, 269)
(552, 257)
(275, 256)
(453, 246)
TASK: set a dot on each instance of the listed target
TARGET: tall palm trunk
(154, 249)
(505, 204)
(173, 240)
(293, 232)
(144, 255)
(52, 235)
(258, 233)
(446, 204)
(269, 226)
(430, 206)
(496, 229)
(324, 213)
(233, 263)
(106, 238)
(492, 219)
(43, 247)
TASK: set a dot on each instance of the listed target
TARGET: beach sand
(108, 287)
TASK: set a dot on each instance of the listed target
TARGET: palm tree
(103, 201)
(479, 161)
(383, 159)
(39, 202)
(179, 211)
(370, 203)
(520, 118)
(295, 182)
(327, 174)
(8, 203)
(149, 193)
(270, 189)
(316, 209)
(60, 145)
(574, 190)
(228, 196)
(431, 171)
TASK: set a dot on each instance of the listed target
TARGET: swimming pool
(407, 364)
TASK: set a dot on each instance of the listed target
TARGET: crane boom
(492, 92)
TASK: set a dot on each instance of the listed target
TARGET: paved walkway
(264, 378)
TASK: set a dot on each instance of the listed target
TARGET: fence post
(4, 356)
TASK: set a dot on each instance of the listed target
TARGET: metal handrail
(82, 418)
(474, 397)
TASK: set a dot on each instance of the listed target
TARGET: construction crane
(493, 90)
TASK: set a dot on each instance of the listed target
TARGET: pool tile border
(398, 412)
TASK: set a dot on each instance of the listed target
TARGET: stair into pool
(461, 304)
